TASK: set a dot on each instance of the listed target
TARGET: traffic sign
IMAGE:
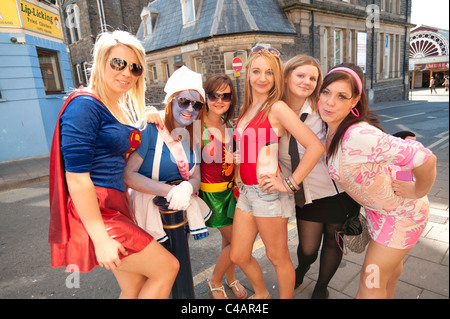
(236, 64)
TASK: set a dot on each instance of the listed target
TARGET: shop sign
(37, 19)
(8, 14)
(431, 66)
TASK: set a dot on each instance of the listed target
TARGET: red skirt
(119, 222)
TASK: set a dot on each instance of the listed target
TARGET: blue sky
(433, 13)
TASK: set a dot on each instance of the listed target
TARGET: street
(25, 270)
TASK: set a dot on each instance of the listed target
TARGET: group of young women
(301, 145)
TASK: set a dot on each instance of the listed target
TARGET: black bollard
(174, 223)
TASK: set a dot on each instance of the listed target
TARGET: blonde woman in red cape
(266, 202)
(91, 221)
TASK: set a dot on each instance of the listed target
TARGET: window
(198, 65)
(153, 74)
(324, 50)
(166, 71)
(148, 21)
(51, 74)
(188, 10)
(337, 45)
(386, 57)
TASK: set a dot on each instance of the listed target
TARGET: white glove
(179, 197)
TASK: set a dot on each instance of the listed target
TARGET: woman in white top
(323, 213)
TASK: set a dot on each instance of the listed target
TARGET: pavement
(426, 267)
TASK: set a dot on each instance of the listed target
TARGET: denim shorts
(262, 204)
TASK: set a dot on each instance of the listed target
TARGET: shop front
(34, 79)
(424, 71)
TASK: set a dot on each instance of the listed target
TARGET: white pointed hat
(184, 79)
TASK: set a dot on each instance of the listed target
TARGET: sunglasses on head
(184, 103)
(259, 48)
(213, 96)
(119, 64)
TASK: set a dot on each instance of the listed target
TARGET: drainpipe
(372, 54)
(405, 54)
(101, 13)
(312, 30)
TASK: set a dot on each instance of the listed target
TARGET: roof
(215, 18)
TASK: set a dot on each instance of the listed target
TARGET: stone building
(205, 35)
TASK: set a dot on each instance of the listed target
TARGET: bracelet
(287, 187)
(297, 187)
(292, 187)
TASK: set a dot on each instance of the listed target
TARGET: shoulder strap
(176, 149)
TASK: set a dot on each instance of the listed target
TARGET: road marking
(438, 142)
(402, 117)
(199, 278)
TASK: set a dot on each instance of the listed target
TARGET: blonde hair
(275, 93)
(133, 101)
(294, 63)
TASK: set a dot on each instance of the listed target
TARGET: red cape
(59, 231)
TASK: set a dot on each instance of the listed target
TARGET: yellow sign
(8, 14)
(37, 19)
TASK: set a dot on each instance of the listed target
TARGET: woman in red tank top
(265, 202)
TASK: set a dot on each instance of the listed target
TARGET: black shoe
(299, 275)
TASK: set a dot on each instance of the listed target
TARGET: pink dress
(365, 167)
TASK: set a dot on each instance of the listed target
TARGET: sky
(433, 13)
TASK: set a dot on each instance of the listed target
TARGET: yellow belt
(214, 187)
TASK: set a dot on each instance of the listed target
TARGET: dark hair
(215, 83)
(365, 114)
(404, 134)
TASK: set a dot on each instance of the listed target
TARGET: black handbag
(354, 235)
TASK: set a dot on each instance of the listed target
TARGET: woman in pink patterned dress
(364, 160)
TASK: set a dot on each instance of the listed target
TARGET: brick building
(85, 19)
(206, 34)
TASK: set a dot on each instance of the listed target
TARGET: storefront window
(51, 75)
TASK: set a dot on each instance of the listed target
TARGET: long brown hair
(275, 93)
(295, 62)
(215, 83)
(365, 114)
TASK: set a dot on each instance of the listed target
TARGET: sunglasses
(119, 64)
(258, 49)
(213, 96)
(184, 103)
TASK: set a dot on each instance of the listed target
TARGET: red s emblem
(135, 141)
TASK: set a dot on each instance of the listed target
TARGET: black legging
(309, 237)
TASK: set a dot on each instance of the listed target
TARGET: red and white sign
(236, 64)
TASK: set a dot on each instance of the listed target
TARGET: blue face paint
(185, 117)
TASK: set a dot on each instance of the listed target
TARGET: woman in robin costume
(91, 221)
(217, 168)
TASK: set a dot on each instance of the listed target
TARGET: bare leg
(381, 270)
(273, 231)
(244, 234)
(149, 273)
